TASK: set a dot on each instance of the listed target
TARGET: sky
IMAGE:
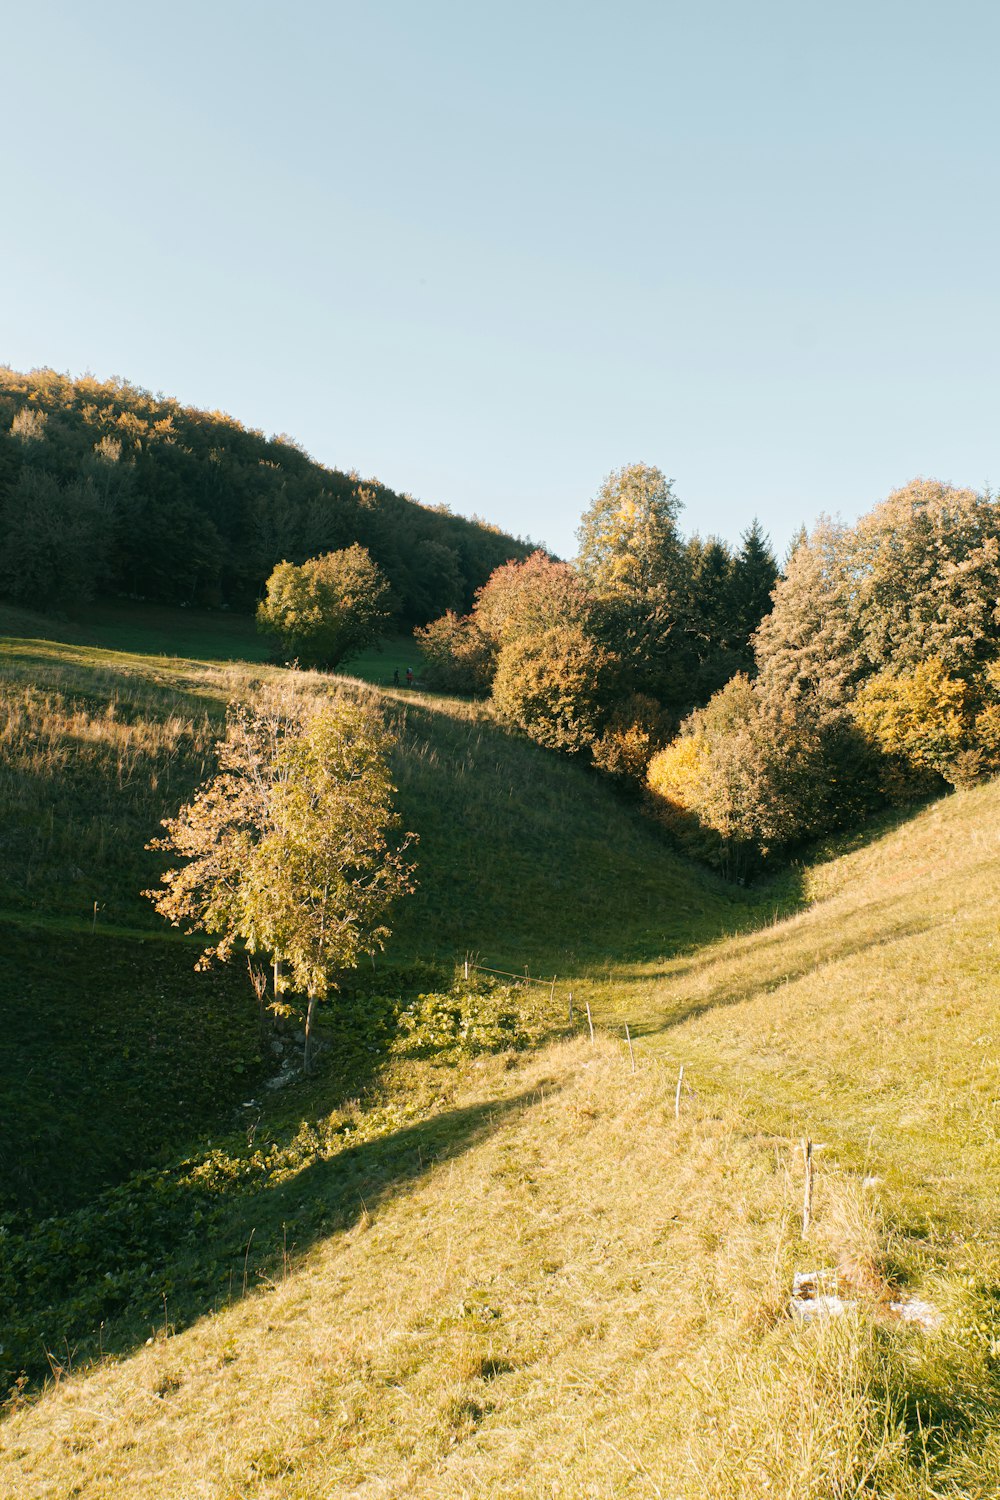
(489, 253)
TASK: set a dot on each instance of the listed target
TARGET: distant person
(409, 677)
(395, 677)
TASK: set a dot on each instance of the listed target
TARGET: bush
(458, 657)
(744, 779)
(919, 720)
(328, 609)
(472, 1017)
(635, 730)
(551, 687)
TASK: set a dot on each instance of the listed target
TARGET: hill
(518, 851)
(107, 490)
(449, 1270)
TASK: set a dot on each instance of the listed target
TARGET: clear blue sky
(488, 252)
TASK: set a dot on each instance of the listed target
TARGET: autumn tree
(808, 648)
(917, 578)
(628, 537)
(525, 598)
(327, 609)
(290, 848)
(640, 573)
(551, 686)
(520, 600)
(924, 722)
(927, 567)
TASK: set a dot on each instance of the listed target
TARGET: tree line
(754, 709)
(604, 657)
(108, 490)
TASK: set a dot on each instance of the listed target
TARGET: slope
(518, 1271)
(116, 1053)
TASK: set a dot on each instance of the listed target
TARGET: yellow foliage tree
(920, 719)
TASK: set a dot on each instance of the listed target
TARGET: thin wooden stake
(246, 1258)
(552, 996)
(677, 1096)
(571, 1007)
(631, 1054)
(466, 968)
(807, 1195)
(590, 1022)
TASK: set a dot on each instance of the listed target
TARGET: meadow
(525, 1263)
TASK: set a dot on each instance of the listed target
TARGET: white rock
(915, 1311)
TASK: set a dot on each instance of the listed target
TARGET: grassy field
(530, 1268)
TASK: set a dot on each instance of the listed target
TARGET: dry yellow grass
(586, 1297)
(590, 1301)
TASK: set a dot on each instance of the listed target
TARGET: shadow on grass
(118, 1057)
(168, 1248)
(825, 949)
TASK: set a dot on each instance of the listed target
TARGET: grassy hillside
(444, 1270)
(517, 854)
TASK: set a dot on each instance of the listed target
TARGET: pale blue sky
(490, 252)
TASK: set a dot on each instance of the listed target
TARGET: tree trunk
(279, 1024)
(307, 1055)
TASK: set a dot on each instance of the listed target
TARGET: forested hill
(106, 489)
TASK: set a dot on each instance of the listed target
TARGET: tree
(809, 648)
(628, 537)
(917, 578)
(525, 598)
(288, 848)
(519, 601)
(551, 687)
(327, 609)
(921, 720)
(927, 568)
(56, 540)
(752, 582)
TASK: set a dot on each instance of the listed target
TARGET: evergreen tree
(753, 579)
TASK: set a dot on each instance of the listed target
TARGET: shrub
(551, 687)
(472, 1017)
(635, 730)
(328, 609)
(458, 657)
(744, 778)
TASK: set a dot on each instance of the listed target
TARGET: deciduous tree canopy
(197, 509)
(288, 849)
(328, 609)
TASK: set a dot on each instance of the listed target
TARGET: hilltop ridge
(107, 490)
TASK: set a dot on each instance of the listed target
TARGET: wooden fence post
(631, 1054)
(677, 1096)
(590, 1022)
(807, 1194)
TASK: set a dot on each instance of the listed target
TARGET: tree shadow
(727, 989)
(166, 1248)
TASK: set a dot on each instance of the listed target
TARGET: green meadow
(500, 1256)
